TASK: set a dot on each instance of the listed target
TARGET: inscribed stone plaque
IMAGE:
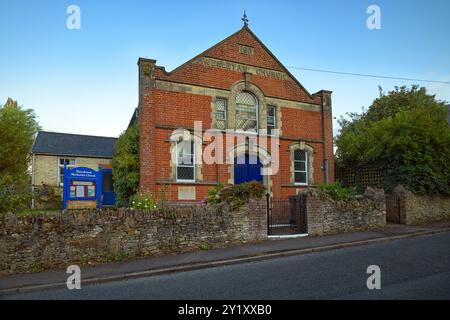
(186, 193)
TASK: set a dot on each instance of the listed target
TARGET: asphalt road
(414, 268)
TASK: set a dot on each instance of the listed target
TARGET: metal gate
(394, 208)
(286, 216)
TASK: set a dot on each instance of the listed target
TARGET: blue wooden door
(247, 168)
(109, 196)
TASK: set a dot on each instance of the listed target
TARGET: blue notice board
(82, 184)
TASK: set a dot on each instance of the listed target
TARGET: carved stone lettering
(210, 62)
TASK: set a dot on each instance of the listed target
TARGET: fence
(361, 177)
(286, 216)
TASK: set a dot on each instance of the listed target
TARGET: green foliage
(172, 215)
(406, 133)
(337, 192)
(213, 194)
(47, 197)
(239, 194)
(205, 246)
(15, 193)
(121, 255)
(144, 201)
(125, 163)
(38, 267)
(18, 127)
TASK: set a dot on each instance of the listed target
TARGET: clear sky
(85, 81)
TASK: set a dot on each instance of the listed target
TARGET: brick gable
(229, 50)
(225, 63)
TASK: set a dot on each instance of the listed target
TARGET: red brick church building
(243, 92)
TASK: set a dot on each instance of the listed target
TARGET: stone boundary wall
(326, 216)
(36, 243)
(417, 209)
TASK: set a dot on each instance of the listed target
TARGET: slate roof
(66, 144)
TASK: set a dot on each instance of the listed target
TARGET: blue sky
(85, 81)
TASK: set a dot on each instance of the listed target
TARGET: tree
(406, 133)
(18, 127)
(125, 164)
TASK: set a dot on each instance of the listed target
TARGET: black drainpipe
(324, 160)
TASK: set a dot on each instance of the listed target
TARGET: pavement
(265, 250)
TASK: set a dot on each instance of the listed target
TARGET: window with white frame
(271, 119)
(301, 167)
(221, 114)
(246, 112)
(186, 161)
(70, 163)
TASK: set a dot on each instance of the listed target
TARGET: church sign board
(82, 188)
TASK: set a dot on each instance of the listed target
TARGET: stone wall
(415, 209)
(326, 216)
(35, 243)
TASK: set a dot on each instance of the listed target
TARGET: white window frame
(185, 166)
(306, 171)
(274, 120)
(225, 112)
(257, 116)
(69, 166)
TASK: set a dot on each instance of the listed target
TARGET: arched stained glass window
(246, 112)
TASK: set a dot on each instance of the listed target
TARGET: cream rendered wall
(46, 167)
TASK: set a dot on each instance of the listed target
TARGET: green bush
(337, 192)
(404, 132)
(144, 201)
(17, 129)
(237, 195)
(125, 163)
(15, 194)
(214, 194)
